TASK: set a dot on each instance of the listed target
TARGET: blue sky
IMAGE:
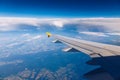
(60, 8)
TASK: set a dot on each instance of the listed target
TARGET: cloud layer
(24, 24)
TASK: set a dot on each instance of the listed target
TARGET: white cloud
(26, 35)
(95, 34)
(114, 34)
(10, 62)
(31, 38)
(58, 23)
(113, 24)
(10, 23)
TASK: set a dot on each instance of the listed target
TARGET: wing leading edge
(108, 56)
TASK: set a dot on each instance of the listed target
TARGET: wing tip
(48, 34)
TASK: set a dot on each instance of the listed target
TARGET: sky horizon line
(56, 17)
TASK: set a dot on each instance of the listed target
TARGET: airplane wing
(105, 55)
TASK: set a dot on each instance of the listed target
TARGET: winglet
(48, 34)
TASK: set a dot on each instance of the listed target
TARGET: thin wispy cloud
(114, 34)
(95, 34)
(2, 63)
(25, 41)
